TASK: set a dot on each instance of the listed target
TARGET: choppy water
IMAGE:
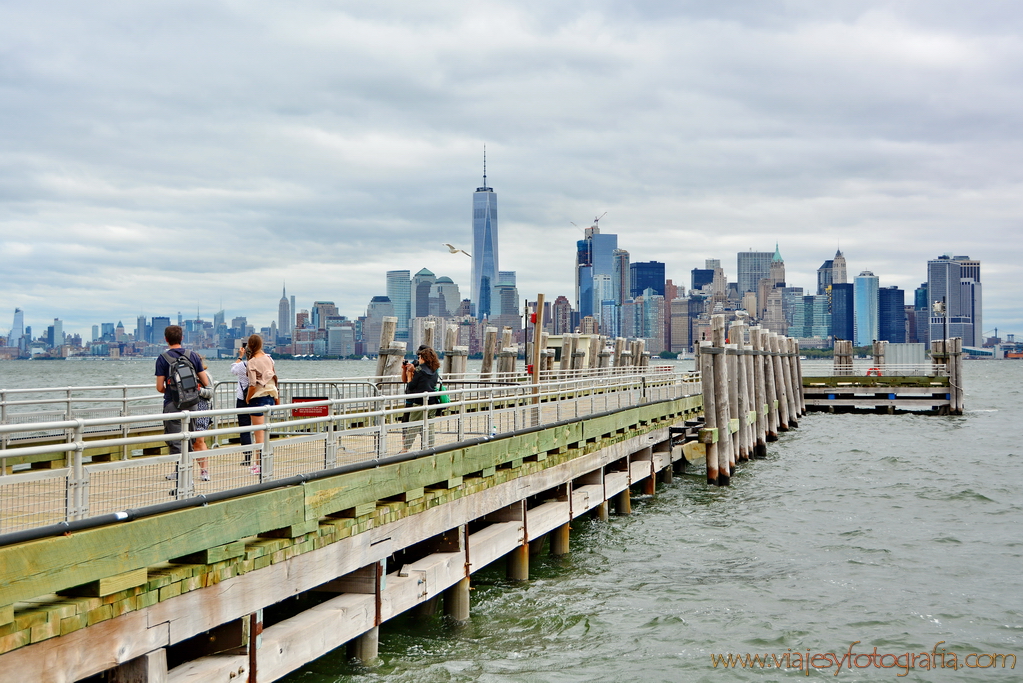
(896, 531)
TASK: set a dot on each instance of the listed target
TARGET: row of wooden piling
(752, 390)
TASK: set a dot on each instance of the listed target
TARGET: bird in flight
(454, 250)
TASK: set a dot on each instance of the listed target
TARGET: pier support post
(725, 457)
(600, 512)
(456, 601)
(149, 668)
(623, 502)
(425, 610)
(779, 383)
(518, 563)
(710, 414)
(489, 349)
(667, 474)
(559, 540)
(789, 348)
(366, 647)
(770, 386)
(536, 546)
(759, 392)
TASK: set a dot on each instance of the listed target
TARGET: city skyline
(343, 140)
(388, 287)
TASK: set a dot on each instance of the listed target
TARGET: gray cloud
(325, 143)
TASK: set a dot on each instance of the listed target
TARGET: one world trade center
(484, 248)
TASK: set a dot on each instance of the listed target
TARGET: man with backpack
(174, 366)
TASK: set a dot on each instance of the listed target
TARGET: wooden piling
(732, 365)
(489, 350)
(366, 647)
(623, 502)
(539, 341)
(619, 350)
(792, 389)
(799, 378)
(450, 339)
(737, 335)
(518, 563)
(771, 387)
(759, 392)
(429, 334)
(559, 540)
(780, 382)
(725, 457)
(710, 414)
(456, 601)
(843, 357)
(387, 329)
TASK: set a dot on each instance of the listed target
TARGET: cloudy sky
(159, 157)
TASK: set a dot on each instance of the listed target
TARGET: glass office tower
(484, 248)
(865, 308)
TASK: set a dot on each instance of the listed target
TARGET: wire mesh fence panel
(228, 467)
(33, 499)
(299, 455)
(133, 484)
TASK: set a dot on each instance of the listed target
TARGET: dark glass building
(891, 315)
(644, 275)
(701, 277)
(842, 311)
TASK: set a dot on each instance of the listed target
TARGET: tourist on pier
(201, 424)
(173, 335)
(240, 369)
(422, 377)
(262, 389)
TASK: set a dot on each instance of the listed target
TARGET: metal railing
(867, 368)
(300, 437)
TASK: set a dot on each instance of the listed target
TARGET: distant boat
(365, 358)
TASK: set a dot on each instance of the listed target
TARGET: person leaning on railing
(422, 377)
(262, 389)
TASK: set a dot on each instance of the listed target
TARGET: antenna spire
(484, 165)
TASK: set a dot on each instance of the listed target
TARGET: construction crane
(597, 219)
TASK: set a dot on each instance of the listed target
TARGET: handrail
(318, 435)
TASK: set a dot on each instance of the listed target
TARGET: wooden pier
(248, 578)
(885, 388)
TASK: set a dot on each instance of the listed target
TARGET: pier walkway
(116, 557)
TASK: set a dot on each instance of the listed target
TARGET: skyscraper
(891, 314)
(865, 308)
(595, 255)
(752, 266)
(644, 275)
(825, 276)
(842, 307)
(838, 274)
(399, 290)
(18, 330)
(422, 286)
(284, 316)
(484, 247)
(956, 280)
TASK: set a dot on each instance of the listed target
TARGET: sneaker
(255, 469)
(204, 475)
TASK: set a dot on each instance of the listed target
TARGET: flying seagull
(454, 250)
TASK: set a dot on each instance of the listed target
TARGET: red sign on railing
(313, 411)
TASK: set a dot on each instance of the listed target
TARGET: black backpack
(183, 378)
